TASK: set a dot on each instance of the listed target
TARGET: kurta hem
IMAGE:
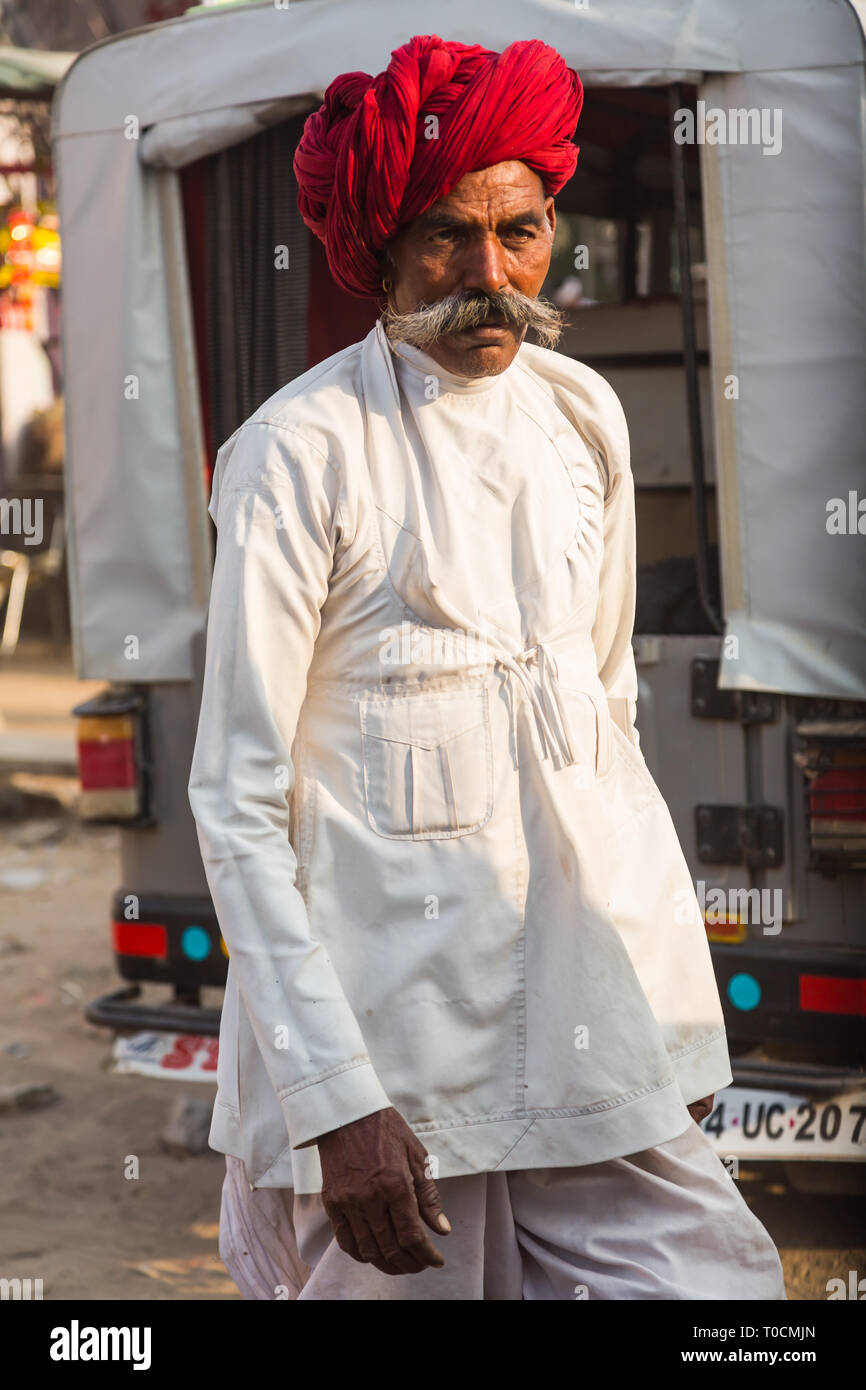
(541, 1140)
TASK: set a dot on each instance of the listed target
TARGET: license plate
(171, 1056)
(756, 1124)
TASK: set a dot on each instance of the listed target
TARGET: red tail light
(107, 768)
(839, 794)
(112, 767)
(140, 939)
(829, 994)
(833, 759)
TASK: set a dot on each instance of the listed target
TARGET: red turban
(366, 163)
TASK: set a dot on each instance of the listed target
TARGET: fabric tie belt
(537, 673)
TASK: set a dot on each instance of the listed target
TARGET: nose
(484, 266)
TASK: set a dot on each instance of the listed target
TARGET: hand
(376, 1194)
(700, 1109)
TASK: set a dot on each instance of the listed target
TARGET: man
(469, 985)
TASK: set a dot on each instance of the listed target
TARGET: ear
(387, 268)
(550, 214)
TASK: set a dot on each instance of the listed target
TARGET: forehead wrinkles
(488, 195)
(487, 207)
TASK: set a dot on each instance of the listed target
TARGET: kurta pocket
(632, 790)
(428, 764)
(590, 727)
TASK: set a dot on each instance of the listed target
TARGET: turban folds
(372, 158)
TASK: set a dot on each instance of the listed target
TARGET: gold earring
(387, 284)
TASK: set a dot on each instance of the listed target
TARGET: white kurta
(445, 876)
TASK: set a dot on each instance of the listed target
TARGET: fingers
(397, 1256)
(343, 1233)
(700, 1109)
(354, 1236)
(376, 1247)
(406, 1216)
(378, 1196)
(372, 1237)
(427, 1196)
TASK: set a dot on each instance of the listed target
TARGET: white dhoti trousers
(667, 1223)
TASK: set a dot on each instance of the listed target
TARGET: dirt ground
(68, 1215)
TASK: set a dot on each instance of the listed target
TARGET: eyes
(454, 236)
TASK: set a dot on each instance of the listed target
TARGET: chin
(487, 359)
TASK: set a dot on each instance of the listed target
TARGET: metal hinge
(744, 706)
(750, 835)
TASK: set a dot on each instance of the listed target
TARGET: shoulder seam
(290, 429)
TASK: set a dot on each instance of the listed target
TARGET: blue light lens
(195, 943)
(744, 992)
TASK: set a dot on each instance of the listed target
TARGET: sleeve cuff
(336, 1100)
(704, 1070)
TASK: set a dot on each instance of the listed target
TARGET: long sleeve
(275, 503)
(614, 620)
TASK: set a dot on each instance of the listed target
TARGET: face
(493, 232)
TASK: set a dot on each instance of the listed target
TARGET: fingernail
(444, 1223)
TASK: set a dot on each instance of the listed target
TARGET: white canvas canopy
(787, 271)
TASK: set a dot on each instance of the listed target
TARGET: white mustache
(457, 312)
